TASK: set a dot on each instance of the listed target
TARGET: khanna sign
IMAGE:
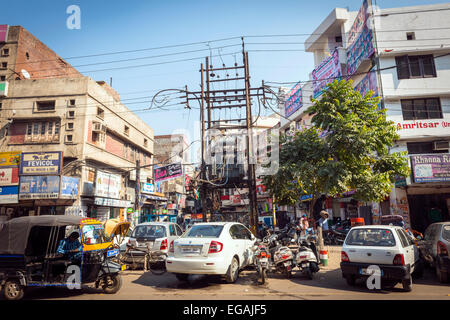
(431, 168)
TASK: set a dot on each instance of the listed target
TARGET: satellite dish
(25, 74)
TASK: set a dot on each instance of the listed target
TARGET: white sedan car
(387, 248)
(215, 248)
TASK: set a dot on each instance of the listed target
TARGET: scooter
(262, 260)
(282, 257)
(306, 257)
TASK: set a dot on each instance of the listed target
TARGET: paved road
(328, 284)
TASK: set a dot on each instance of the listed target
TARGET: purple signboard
(168, 172)
(293, 100)
(431, 167)
(369, 82)
(358, 24)
(3, 32)
(328, 71)
(361, 49)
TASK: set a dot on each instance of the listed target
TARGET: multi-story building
(402, 56)
(171, 149)
(99, 137)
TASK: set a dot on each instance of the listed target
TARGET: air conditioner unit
(441, 145)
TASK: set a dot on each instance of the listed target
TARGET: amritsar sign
(41, 163)
(431, 167)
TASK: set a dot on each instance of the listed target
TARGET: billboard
(9, 194)
(148, 188)
(39, 187)
(369, 82)
(108, 185)
(359, 41)
(3, 32)
(9, 176)
(168, 172)
(293, 100)
(41, 163)
(69, 187)
(9, 159)
(431, 167)
(328, 71)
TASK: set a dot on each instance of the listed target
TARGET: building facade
(402, 56)
(99, 138)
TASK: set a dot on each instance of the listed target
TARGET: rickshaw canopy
(15, 232)
(115, 227)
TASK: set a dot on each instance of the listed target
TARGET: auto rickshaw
(29, 255)
(116, 230)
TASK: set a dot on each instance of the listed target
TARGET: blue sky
(112, 26)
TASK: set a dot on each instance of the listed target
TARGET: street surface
(328, 284)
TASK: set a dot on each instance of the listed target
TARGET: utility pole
(137, 207)
(203, 191)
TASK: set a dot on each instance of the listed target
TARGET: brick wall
(17, 132)
(114, 145)
(39, 60)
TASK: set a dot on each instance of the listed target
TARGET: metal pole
(203, 167)
(137, 189)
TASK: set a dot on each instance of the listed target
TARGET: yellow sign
(9, 158)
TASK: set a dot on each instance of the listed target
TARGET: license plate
(191, 250)
(112, 253)
(364, 271)
(263, 260)
(123, 267)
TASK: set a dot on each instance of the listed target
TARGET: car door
(237, 243)
(408, 248)
(248, 241)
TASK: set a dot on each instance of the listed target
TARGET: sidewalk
(334, 257)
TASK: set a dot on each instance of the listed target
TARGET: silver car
(437, 248)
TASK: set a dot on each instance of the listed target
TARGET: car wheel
(233, 271)
(407, 284)
(442, 276)
(351, 280)
(182, 276)
(13, 290)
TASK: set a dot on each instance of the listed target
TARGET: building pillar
(399, 204)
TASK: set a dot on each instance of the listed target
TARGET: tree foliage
(346, 149)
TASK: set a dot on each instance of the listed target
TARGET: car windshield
(149, 231)
(375, 237)
(204, 231)
(94, 234)
(446, 233)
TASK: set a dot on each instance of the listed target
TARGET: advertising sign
(168, 172)
(359, 23)
(108, 185)
(9, 176)
(69, 187)
(293, 100)
(3, 32)
(9, 194)
(107, 202)
(39, 187)
(41, 163)
(328, 71)
(431, 167)
(369, 82)
(9, 159)
(148, 188)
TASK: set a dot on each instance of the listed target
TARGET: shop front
(426, 198)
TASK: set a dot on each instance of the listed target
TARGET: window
(71, 103)
(416, 109)
(45, 105)
(70, 114)
(179, 231)
(204, 231)
(415, 66)
(149, 232)
(100, 113)
(172, 230)
(69, 138)
(410, 36)
(126, 130)
(2, 78)
(4, 65)
(423, 148)
(47, 131)
(1, 105)
(403, 239)
(338, 39)
(370, 237)
(145, 143)
(69, 126)
(5, 52)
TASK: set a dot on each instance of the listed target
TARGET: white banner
(108, 185)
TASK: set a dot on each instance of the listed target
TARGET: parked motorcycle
(262, 259)
(282, 257)
(306, 258)
(339, 231)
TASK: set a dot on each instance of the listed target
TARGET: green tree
(346, 149)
